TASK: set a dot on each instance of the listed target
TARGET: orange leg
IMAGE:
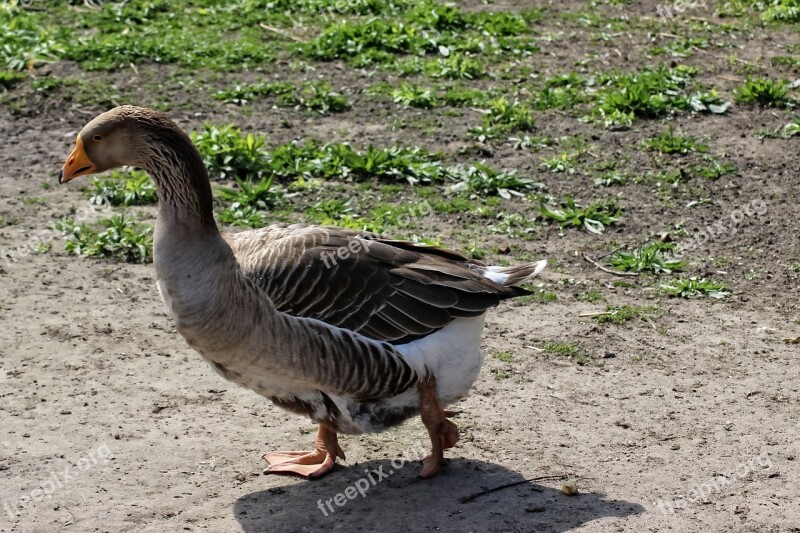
(443, 433)
(311, 464)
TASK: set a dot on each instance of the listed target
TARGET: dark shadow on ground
(403, 503)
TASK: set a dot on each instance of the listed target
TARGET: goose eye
(97, 137)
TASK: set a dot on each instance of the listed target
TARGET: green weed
(503, 117)
(121, 239)
(685, 288)
(592, 296)
(764, 92)
(651, 257)
(414, 96)
(594, 217)
(566, 349)
(258, 194)
(229, 154)
(669, 142)
(484, 180)
(650, 93)
(624, 313)
(124, 188)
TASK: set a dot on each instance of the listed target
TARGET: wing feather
(387, 290)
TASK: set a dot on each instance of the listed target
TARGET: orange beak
(77, 164)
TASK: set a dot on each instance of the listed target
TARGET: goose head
(140, 137)
(113, 139)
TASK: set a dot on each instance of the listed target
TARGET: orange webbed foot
(311, 465)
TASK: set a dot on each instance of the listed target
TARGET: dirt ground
(686, 423)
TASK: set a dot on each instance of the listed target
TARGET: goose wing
(387, 290)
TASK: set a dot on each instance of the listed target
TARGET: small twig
(601, 313)
(467, 499)
(608, 270)
(281, 32)
(612, 252)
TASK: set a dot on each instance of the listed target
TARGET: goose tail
(514, 276)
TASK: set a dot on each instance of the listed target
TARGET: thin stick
(608, 270)
(281, 33)
(615, 250)
(468, 499)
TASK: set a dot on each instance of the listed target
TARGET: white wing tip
(502, 275)
(540, 265)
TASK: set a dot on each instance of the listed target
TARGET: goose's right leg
(443, 433)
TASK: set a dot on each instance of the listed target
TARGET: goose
(354, 330)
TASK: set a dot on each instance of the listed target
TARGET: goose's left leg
(443, 433)
(311, 464)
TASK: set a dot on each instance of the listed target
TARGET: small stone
(675, 446)
(570, 488)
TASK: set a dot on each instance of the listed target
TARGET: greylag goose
(354, 330)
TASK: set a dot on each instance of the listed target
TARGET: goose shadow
(394, 499)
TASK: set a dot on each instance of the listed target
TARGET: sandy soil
(685, 423)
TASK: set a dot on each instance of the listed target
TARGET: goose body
(356, 331)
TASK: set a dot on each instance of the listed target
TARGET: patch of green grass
(245, 93)
(624, 313)
(561, 162)
(315, 96)
(566, 349)
(669, 142)
(790, 62)
(229, 154)
(500, 374)
(121, 239)
(526, 142)
(25, 43)
(423, 28)
(502, 117)
(459, 96)
(456, 67)
(651, 257)
(611, 179)
(714, 169)
(452, 205)
(341, 161)
(513, 225)
(312, 95)
(411, 95)
(246, 216)
(33, 200)
(592, 296)
(764, 92)
(683, 47)
(595, 217)
(504, 356)
(687, 287)
(778, 10)
(486, 181)
(257, 194)
(9, 79)
(218, 36)
(566, 97)
(707, 102)
(133, 187)
(792, 128)
(650, 93)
